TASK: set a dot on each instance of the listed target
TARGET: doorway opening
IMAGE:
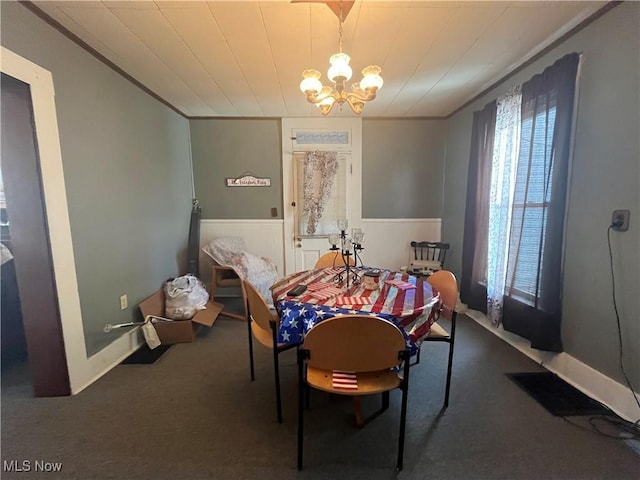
(32, 300)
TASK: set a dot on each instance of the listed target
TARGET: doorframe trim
(57, 213)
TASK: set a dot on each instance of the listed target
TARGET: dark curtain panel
(473, 290)
(533, 296)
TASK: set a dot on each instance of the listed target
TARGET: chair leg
(302, 386)
(385, 400)
(448, 385)
(251, 366)
(214, 285)
(245, 306)
(403, 413)
(276, 368)
(452, 339)
(418, 356)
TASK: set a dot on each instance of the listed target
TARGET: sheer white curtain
(503, 174)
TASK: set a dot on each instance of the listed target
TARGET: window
(516, 199)
(532, 197)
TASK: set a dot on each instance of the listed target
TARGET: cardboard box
(178, 331)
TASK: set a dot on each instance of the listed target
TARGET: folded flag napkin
(353, 301)
(333, 271)
(344, 380)
(402, 285)
(326, 292)
(313, 287)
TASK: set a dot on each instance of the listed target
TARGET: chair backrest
(332, 259)
(258, 308)
(354, 343)
(432, 251)
(445, 283)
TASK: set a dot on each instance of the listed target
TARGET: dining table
(407, 300)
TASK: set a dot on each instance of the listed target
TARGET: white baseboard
(591, 382)
(111, 356)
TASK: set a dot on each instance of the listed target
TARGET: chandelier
(339, 73)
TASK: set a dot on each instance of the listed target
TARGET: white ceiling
(245, 58)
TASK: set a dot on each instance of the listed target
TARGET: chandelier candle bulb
(371, 78)
(340, 68)
(311, 83)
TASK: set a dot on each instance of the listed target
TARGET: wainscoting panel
(386, 241)
(263, 238)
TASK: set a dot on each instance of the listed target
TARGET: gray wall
(402, 168)
(402, 160)
(606, 176)
(126, 170)
(227, 148)
(126, 163)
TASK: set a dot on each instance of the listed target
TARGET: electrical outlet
(123, 302)
(620, 220)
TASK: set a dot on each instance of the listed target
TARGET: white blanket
(259, 271)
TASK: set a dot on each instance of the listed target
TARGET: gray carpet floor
(195, 414)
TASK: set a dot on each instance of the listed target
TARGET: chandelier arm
(356, 106)
(370, 95)
(326, 109)
(355, 101)
(313, 97)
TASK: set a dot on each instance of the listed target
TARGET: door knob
(299, 245)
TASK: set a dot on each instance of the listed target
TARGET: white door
(338, 154)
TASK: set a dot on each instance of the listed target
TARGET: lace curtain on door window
(320, 171)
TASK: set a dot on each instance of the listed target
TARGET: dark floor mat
(145, 355)
(556, 395)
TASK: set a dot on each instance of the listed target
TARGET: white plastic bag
(184, 297)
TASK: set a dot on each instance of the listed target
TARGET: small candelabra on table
(345, 245)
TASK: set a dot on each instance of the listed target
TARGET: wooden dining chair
(364, 348)
(264, 324)
(445, 283)
(332, 259)
(226, 277)
(429, 256)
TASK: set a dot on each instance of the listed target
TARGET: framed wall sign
(247, 179)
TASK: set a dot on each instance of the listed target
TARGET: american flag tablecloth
(405, 307)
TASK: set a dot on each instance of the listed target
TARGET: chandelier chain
(340, 29)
